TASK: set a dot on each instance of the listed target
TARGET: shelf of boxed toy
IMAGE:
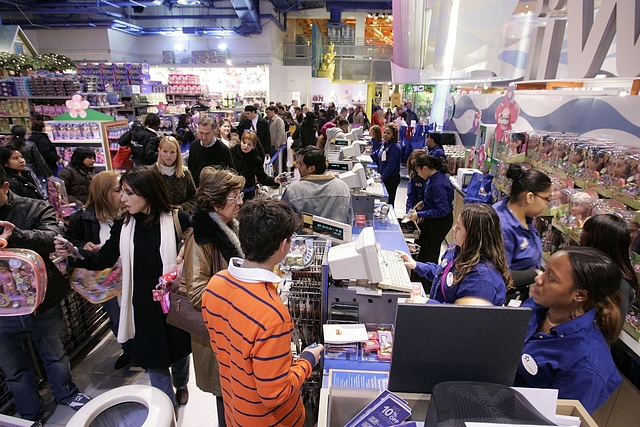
(68, 135)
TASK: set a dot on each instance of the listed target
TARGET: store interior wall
(113, 46)
(286, 79)
(555, 113)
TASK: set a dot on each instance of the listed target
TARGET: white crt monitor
(356, 177)
(356, 260)
(352, 150)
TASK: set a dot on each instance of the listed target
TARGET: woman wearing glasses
(530, 195)
(215, 241)
(248, 163)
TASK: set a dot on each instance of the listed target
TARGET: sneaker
(79, 401)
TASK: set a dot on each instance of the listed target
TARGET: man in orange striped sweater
(250, 328)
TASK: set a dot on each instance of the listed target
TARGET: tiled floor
(95, 375)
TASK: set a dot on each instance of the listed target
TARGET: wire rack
(302, 293)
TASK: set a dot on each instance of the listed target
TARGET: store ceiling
(161, 17)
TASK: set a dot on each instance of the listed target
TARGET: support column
(411, 19)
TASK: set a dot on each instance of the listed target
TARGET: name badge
(524, 245)
(529, 364)
(444, 262)
(384, 156)
(449, 279)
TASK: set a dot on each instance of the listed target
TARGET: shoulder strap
(176, 223)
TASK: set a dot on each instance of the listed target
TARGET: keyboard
(374, 189)
(394, 273)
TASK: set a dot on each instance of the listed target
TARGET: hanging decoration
(18, 62)
(77, 106)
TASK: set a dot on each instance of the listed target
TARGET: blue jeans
(46, 331)
(112, 308)
(162, 378)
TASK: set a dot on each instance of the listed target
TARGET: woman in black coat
(248, 163)
(45, 146)
(147, 235)
(19, 177)
(78, 175)
(307, 131)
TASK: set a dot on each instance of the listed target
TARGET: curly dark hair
(264, 224)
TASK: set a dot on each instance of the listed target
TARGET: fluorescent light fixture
(601, 76)
(222, 46)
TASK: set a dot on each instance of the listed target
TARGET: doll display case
(512, 148)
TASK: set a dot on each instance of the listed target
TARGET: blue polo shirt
(523, 246)
(437, 151)
(415, 192)
(375, 144)
(438, 197)
(388, 159)
(573, 358)
(483, 281)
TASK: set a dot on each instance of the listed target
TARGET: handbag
(481, 189)
(23, 281)
(98, 286)
(181, 313)
(297, 144)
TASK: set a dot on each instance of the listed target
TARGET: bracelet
(3, 243)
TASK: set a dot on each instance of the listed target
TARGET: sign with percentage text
(386, 410)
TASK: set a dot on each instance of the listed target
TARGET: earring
(578, 299)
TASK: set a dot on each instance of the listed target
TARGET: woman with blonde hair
(90, 227)
(215, 241)
(178, 179)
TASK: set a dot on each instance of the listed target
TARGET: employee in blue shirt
(416, 186)
(388, 160)
(434, 145)
(530, 194)
(435, 216)
(375, 132)
(576, 316)
(474, 267)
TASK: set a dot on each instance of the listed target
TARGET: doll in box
(533, 145)
(580, 208)
(517, 143)
(6, 280)
(594, 162)
(546, 147)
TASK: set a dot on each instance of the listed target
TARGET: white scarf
(167, 170)
(168, 253)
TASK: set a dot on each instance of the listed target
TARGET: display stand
(68, 133)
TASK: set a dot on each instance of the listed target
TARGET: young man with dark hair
(317, 192)
(31, 224)
(250, 328)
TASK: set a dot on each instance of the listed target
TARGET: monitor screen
(335, 231)
(350, 151)
(342, 142)
(339, 166)
(356, 260)
(445, 342)
(356, 177)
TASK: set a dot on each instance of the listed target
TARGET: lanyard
(444, 278)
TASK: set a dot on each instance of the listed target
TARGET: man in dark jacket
(207, 150)
(32, 224)
(45, 146)
(255, 124)
(143, 140)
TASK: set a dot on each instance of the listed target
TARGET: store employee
(530, 193)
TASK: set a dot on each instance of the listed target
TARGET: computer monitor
(445, 342)
(354, 135)
(350, 151)
(335, 231)
(356, 260)
(356, 177)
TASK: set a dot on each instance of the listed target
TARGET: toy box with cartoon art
(512, 148)
(629, 193)
(98, 286)
(23, 281)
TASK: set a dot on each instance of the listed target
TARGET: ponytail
(526, 180)
(608, 316)
(423, 159)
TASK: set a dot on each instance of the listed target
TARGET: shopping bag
(412, 138)
(481, 189)
(122, 159)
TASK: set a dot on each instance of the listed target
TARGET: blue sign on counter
(361, 379)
